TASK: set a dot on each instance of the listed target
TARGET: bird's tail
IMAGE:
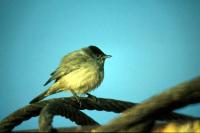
(52, 90)
(40, 97)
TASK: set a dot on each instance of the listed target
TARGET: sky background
(155, 45)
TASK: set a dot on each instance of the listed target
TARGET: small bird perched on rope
(79, 72)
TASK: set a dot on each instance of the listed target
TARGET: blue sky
(155, 45)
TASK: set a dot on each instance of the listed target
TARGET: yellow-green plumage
(79, 72)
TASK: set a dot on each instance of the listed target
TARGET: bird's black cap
(96, 50)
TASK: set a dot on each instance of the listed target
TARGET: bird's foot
(92, 97)
(78, 100)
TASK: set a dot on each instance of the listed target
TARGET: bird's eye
(98, 56)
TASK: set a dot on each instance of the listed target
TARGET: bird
(79, 72)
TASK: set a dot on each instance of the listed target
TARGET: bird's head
(98, 53)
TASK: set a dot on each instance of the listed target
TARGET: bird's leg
(91, 97)
(76, 97)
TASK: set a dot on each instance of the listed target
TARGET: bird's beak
(107, 56)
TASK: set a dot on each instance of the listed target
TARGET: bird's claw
(78, 100)
(92, 97)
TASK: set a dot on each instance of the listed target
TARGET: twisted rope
(117, 106)
(142, 127)
(52, 109)
(32, 110)
(176, 97)
(137, 117)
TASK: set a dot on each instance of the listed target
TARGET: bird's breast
(83, 79)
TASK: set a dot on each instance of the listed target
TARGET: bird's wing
(69, 63)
